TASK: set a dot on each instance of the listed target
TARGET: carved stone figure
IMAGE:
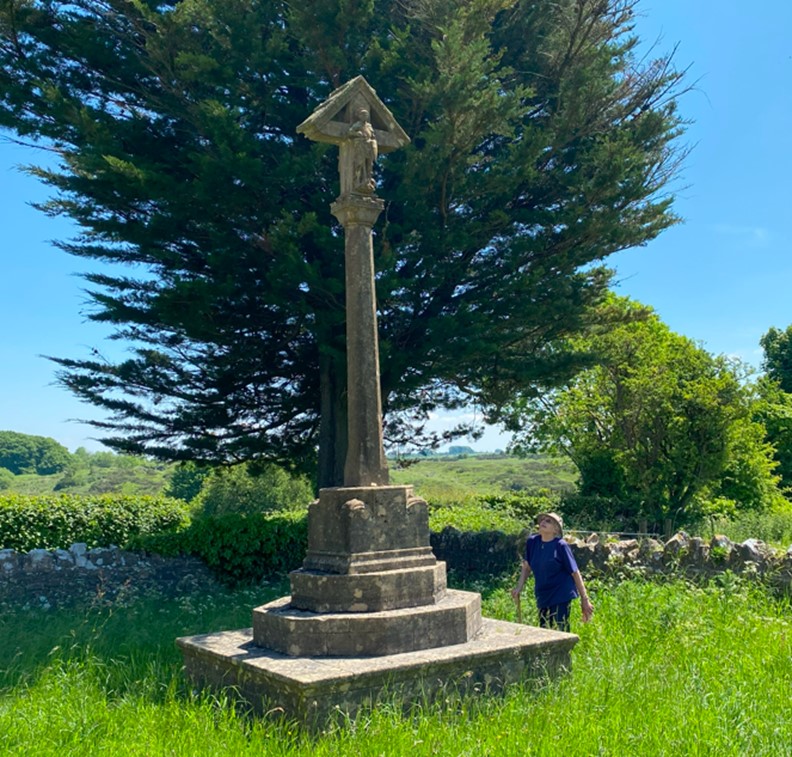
(363, 151)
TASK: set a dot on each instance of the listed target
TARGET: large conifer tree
(540, 145)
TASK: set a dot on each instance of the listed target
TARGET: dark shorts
(556, 617)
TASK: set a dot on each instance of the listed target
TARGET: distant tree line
(22, 453)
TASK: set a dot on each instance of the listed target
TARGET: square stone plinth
(311, 689)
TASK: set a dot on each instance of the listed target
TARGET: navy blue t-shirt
(552, 564)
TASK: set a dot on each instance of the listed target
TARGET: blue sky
(722, 277)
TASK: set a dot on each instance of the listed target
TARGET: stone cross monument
(356, 120)
(368, 542)
(369, 611)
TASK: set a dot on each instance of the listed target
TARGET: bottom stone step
(311, 689)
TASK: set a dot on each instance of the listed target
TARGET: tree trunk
(333, 422)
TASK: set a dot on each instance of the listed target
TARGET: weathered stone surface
(368, 529)
(480, 551)
(53, 578)
(650, 547)
(63, 558)
(455, 619)
(311, 689)
(680, 554)
(39, 560)
(365, 463)
(676, 544)
(331, 120)
(9, 561)
(368, 592)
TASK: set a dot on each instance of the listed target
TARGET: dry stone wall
(52, 578)
(493, 551)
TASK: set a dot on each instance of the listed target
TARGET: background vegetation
(250, 503)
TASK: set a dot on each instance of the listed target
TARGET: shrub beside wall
(236, 547)
(245, 547)
(57, 521)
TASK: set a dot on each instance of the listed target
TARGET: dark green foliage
(750, 478)
(774, 408)
(186, 481)
(245, 548)
(252, 489)
(91, 473)
(239, 548)
(106, 472)
(777, 363)
(6, 479)
(660, 430)
(522, 505)
(601, 475)
(774, 412)
(541, 144)
(598, 512)
(57, 522)
(22, 453)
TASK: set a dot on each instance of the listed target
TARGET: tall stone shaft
(365, 461)
(356, 120)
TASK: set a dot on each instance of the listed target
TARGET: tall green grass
(774, 528)
(665, 669)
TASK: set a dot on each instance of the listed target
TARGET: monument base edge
(311, 690)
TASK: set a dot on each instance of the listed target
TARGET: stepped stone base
(370, 618)
(368, 592)
(454, 619)
(311, 689)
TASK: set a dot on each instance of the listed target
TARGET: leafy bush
(774, 528)
(510, 512)
(248, 547)
(251, 490)
(57, 521)
(599, 513)
(522, 505)
(238, 547)
(22, 453)
(473, 517)
(187, 480)
(6, 479)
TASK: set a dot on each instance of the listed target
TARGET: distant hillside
(97, 473)
(448, 476)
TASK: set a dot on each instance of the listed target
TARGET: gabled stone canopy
(330, 121)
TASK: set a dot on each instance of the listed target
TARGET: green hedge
(58, 521)
(238, 547)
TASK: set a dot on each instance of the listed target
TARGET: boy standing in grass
(557, 580)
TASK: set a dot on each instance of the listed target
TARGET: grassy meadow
(664, 669)
(457, 478)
